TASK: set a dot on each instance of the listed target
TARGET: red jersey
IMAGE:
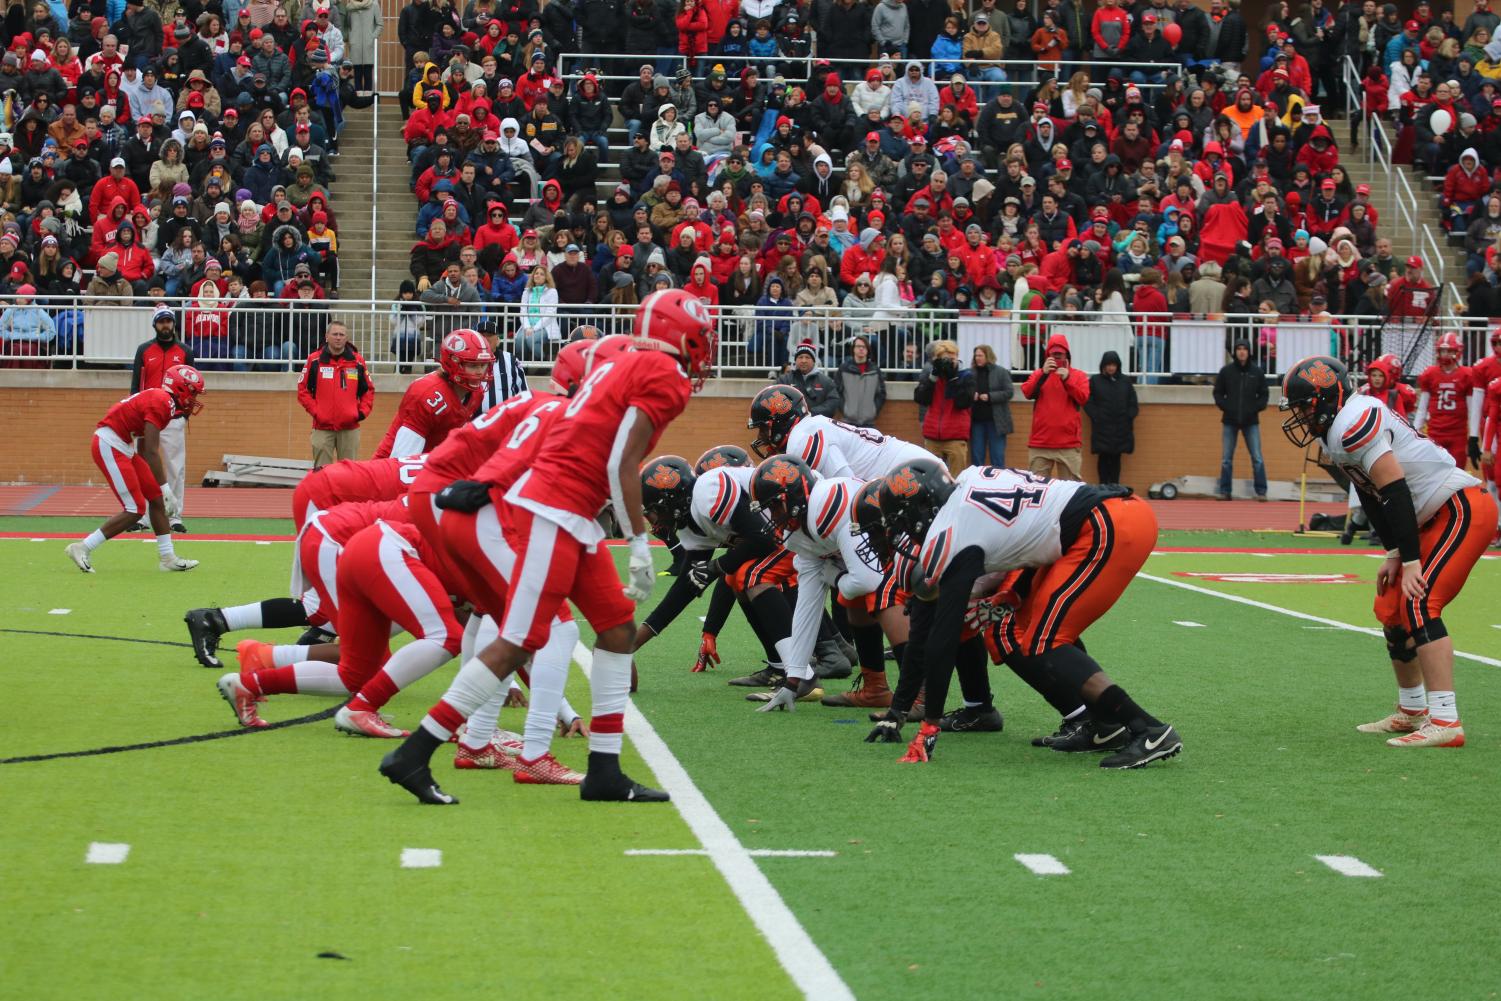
(128, 418)
(1448, 401)
(350, 480)
(1410, 299)
(341, 522)
(472, 445)
(1482, 373)
(570, 480)
(1401, 399)
(430, 409)
(1490, 429)
(519, 452)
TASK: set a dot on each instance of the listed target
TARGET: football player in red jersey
(548, 519)
(127, 450)
(344, 482)
(1490, 441)
(1482, 374)
(441, 401)
(1444, 399)
(1383, 381)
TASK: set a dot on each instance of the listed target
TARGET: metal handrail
(374, 189)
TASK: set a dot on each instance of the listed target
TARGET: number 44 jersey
(1014, 516)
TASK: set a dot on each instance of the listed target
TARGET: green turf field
(251, 856)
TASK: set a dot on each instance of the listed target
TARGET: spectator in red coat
(693, 30)
(948, 392)
(1057, 391)
(337, 392)
(1466, 185)
(1151, 331)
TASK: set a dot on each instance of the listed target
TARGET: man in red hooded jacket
(1057, 391)
(337, 393)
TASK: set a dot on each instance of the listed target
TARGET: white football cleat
(176, 563)
(365, 724)
(80, 557)
(240, 700)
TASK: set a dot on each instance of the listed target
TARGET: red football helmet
(461, 348)
(680, 324)
(1450, 344)
(578, 358)
(1392, 364)
(185, 383)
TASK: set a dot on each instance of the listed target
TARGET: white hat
(117, 162)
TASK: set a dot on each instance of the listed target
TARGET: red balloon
(1173, 33)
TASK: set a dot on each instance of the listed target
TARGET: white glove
(174, 507)
(784, 699)
(642, 570)
(832, 571)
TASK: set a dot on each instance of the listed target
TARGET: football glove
(922, 746)
(783, 699)
(888, 731)
(702, 574)
(463, 495)
(832, 571)
(708, 653)
(170, 501)
(1473, 447)
(643, 575)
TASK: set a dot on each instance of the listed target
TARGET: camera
(945, 367)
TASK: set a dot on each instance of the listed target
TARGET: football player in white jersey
(1435, 519)
(702, 514)
(830, 448)
(813, 515)
(1084, 543)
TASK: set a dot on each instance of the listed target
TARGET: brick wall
(50, 428)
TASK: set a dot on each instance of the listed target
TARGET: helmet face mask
(1448, 349)
(185, 383)
(780, 488)
(869, 525)
(465, 358)
(1312, 394)
(774, 412)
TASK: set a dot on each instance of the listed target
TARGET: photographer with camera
(1057, 391)
(948, 393)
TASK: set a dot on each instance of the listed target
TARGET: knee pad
(1396, 644)
(1430, 632)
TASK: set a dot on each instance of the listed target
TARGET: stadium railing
(276, 335)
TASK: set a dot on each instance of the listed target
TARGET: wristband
(1393, 554)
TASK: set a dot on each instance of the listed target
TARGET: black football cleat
(416, 778)
(1065, 726)
(764, 678)
(618, 789)
(973, 719)
(178, 528)
(205, 626)
(1156, 743)
(1086, 734)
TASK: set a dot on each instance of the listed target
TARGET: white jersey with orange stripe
(1014, 516)
(824, 551)
(1365, 429)
(834, 448)
(715, 496)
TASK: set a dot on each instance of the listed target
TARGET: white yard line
(60, 611)
(1335, 623)
(421, 858)
(790, 942)
(106, 853)
(1189, 624)
(1349, 865)
(1042, 865)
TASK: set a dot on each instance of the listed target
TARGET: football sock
(243, 616)
(411, 663)
(549, 677)
(773, 620)
(93, 540)
(482, 724)
(471, 687)
(1032, 670)
(317, 677)
(466, 645)
(1414, 699)
(610, 683)
(1442, 707)
(274, 613)
(164, 545)
(285, 655)
(870, 647)
(1115, 706)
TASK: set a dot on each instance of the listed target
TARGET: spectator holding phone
(1057, 391)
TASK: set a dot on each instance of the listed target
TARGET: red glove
(921, 748)
(708, 653)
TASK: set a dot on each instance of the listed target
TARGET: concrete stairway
(396, 213)
(352, 193)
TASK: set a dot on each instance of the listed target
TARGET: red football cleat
(545, 771)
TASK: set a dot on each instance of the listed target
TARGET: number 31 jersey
(1364, 430)
(833, 448)
(1011, 514)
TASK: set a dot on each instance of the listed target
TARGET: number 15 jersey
(1014, 516)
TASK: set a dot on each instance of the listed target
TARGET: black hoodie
(1240, 390)
(1112, 409)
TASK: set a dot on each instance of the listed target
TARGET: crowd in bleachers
(154, 150)
(913, 156)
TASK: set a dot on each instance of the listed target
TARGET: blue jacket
(946, 55)
(27, 323)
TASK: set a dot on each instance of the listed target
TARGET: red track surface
(206, 502)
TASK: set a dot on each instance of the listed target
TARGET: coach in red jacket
(336, 390)
(1057, 391)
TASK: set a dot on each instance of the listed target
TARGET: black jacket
(821, 391)
(1240, 391)
(1112, 410)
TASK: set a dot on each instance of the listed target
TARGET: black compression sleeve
(721, 603)
(966, 567)
(679, 596)
(745, 551)
(974, 676)
(747, 524)
(1396, 506)
(910, 674)
(1371, 505)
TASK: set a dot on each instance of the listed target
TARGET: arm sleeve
(721, 603)
(365, 393)
(408, 442)
(942, 644)
(923, 392)
(679, 596)
(1477, 406)
(1077, 385)
(1420, 416)
(807, 616)
(834, 462)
